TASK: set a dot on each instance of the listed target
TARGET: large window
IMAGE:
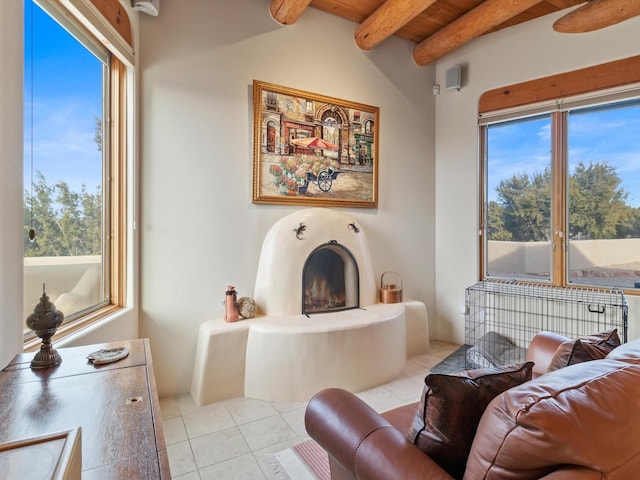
(73, 176)
(561, 193)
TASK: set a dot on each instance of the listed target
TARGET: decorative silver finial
(44, 321)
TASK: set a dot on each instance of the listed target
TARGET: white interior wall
(199, 230)
(11, 218)
(513, 55)
(124, 325)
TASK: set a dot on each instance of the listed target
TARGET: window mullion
(482, 212)
(559, 198)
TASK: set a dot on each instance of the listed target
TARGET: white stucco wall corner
(199, 229)
(11, 176)
(513, 55)
(121, 325)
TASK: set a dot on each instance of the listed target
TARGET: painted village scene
(313, 149)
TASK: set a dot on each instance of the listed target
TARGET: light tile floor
(235, 439)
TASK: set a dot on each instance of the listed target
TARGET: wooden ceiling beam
(390, 17)
(597, 14)
(489, 14)
(287, 12)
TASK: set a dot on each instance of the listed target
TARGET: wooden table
(115, 404)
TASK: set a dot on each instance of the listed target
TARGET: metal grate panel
(502, 318)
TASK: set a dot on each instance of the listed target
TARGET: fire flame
(318, 296)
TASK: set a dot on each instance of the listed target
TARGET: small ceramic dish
(108, 355)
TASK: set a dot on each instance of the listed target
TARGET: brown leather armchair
(353, 434)
(579, 422)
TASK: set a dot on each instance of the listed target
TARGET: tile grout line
(438, 352)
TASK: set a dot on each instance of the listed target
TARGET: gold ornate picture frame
(310, 149)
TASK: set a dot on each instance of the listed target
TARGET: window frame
(555, 95)
(115, 179)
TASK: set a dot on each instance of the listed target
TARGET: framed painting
(310, 149)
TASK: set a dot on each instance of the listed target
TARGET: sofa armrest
(362, 442)
(541, 351)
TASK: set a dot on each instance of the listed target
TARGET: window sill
(66, 331)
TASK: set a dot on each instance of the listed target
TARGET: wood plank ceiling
(440, 26)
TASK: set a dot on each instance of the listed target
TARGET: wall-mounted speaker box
(453, 78)
(150, 7)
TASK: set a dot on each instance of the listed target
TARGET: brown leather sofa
(578, 422)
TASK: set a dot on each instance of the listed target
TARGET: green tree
(92, 219)
(632, 229)
(65, 222)
(97, 135)
(635, 223)
(597, 203)
(597, 206)
(495, 223)
(68, 219)
(526, 205)
(40, 212)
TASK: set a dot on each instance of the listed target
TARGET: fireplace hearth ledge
(290, 358)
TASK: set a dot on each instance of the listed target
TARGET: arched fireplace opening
(330, 280)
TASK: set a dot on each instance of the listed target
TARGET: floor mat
(305, 461)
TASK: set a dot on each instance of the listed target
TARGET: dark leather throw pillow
(450, 409)
(585, 349)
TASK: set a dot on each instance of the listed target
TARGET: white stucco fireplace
(287, 247)
(331, 333)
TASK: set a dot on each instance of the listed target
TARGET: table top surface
(74, 362)
(114, 404)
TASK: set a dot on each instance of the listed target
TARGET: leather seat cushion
(401, 417)
(583, 415)
(627, 352)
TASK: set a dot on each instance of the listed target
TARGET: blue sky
(67, 92)
(611, 136)
(67, 98)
